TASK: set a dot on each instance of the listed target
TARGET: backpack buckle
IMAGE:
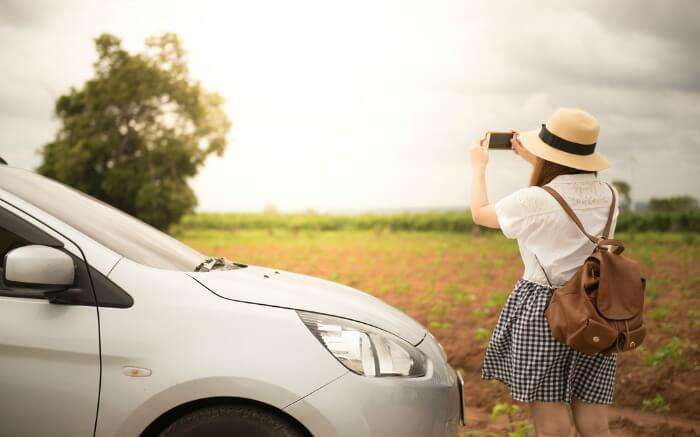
(619, 247)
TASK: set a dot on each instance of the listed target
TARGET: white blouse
(542, 227)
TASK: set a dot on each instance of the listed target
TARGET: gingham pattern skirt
(523, 354)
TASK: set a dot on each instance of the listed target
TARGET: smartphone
(499, 140)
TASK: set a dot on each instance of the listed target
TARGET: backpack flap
(620, 290)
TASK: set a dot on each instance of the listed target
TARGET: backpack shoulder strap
(570, 212)
(608, 225)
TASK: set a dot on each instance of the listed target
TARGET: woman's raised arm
(483, 213)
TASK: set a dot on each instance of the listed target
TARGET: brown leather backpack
(599, 310)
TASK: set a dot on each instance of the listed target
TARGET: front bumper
(359, 406)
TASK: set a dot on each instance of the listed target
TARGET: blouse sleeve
(515, 211)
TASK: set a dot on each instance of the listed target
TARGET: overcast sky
(367, 105)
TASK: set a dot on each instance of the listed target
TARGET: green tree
(135, 133)
(624, 189)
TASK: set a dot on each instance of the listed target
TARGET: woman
(522, 352)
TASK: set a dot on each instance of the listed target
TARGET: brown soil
(623, 423)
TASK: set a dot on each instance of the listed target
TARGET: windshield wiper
(221, 263)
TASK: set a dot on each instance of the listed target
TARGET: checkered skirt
(523, 354)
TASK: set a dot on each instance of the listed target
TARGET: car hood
(266, 286)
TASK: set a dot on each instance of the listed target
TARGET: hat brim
(532, 142)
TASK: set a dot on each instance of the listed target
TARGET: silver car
(110, 327)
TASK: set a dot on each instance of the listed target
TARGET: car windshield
(108, 226)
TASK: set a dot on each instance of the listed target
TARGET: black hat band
(566, 145)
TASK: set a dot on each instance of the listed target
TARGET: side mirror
(41, 267)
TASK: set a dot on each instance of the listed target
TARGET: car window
(108, 226)
(9, 241)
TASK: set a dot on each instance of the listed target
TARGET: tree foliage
(624, 189)
(135, 133)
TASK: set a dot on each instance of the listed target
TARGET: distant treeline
(425, 221)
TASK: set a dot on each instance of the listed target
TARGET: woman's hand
(521, 151)
(479, 155)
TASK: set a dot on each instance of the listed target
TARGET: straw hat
(568, 138)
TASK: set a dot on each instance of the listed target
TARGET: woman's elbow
(485, 217)
(477, 218)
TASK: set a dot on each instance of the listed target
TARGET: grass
(516, 426)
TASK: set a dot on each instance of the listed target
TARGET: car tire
(232, 421)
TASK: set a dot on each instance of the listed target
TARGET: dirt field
(455, 285)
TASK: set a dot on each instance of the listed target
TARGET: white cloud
(371, 104)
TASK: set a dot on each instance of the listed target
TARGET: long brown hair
(544, 171)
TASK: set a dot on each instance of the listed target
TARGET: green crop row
(430, 221)
(659, 221)
(452, 221)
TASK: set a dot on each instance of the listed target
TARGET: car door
(49, 352)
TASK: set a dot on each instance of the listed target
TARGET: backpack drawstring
(622, 344)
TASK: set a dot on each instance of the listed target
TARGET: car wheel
(232, 421)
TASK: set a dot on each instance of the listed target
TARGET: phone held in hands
(499, 140)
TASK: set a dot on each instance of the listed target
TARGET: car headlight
(364, 349)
